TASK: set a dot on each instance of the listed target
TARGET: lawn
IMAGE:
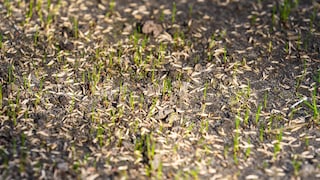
(191, 89)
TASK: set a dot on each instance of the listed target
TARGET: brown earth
(159, 90)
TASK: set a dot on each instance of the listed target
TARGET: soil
(191, 89)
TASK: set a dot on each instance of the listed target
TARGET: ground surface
(221, 90)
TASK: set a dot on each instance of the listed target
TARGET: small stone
(63, 166)
(63, 100)
(149, 27)
(198, 67)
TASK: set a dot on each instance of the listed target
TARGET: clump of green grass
(285, 8)
(145, 152)
(94, 77)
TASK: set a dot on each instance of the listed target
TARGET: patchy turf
(155, 89)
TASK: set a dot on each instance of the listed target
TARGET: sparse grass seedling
(75, 86)
(190, 10)
(265, 100)
(313, 17)
(48, 5)
(261, 133)
(167, 86)
(7, 4)
(296, 166)
(246, 116)
(313, 105)
(11, 111)
(258, 113)
(11, 78)
(112, 5)
(30, 11)
(159, 171)
(225, 55)
(145, 151)
(39, 9)
(273, 17)
(1, 96)
(248, 149)
(1, 38)
(36, 38)
(189, 129)
(277, 144)
(204, 126)
(205, 91)
(236, 139)
(100, 131)
(174, 12)
(161, 16)
(284, 10)
(75, 27)
(194, 173)
(131, 101)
